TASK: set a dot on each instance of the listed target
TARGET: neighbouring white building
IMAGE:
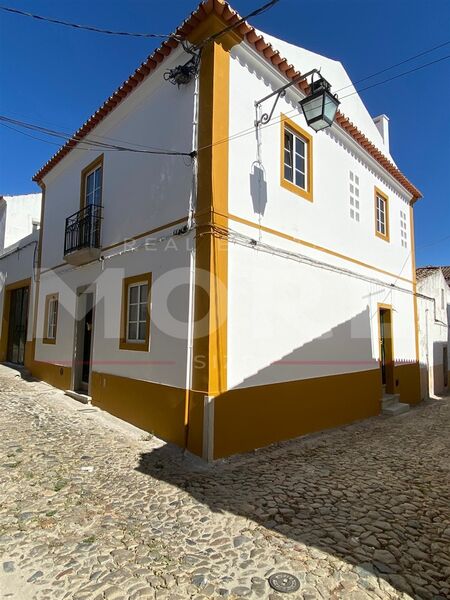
(19, 216)
(221, 284)
(434, 333)
(19, 236)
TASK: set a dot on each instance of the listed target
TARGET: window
(403, 230)
(381, 215)
(296, 159)
(354, 196)
(442, 299)
(50, 319)
(135, 327)
(91, 183)
(34, 226)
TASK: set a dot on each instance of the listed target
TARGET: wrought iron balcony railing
(83, 229)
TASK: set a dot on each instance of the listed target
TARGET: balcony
(82, 236)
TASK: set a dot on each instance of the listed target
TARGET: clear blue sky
(57, 77)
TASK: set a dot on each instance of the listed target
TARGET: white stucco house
(434, 333)
(19, 216)
(222, 284)
(19, 235)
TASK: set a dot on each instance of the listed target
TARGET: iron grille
(83, 229)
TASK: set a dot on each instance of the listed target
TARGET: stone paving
(91, 510)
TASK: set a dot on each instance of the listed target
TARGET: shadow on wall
(357, 494)
(258, 188)
(345, 348)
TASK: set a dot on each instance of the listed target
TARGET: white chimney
(382, 124)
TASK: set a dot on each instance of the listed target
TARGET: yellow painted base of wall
(254, 417)
(59, 376)
(408, 376)
(153, 407)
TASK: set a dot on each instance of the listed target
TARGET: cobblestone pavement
(90, 510)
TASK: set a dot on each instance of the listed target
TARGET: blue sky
(57, 77)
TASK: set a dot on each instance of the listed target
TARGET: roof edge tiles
(224, 11)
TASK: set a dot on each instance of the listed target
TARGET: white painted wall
(16, 263)
(17, 217)
(140, 191)
(434, 332)
(165, 362)
(316, 321)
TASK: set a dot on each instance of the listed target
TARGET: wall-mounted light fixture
(319, 107)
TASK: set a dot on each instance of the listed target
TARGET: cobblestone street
(91, 509)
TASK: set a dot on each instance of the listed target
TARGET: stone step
(83, 398)
(389, 400)
(396, 408)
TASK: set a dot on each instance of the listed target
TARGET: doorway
(17, 329)
(386, 349)
(83, 342)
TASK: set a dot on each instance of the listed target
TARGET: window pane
(133, 312)
(90, 183)
(143, 293)
(142, 331)
(132, 331)
(134, 293)
(300, 164)
(300, 179)
(142, 312)
(299, 146)
(288, 146)
(352, 201)
(357, 217)
(288, 173)
(97, 196)
(98, 177)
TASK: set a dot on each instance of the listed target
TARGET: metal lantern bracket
(280, 93)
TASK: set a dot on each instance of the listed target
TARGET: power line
(396, 65)
(273, 122)
(87, 27)
(254, 13)
(93, 143)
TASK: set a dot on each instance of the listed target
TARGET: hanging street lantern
(320, 107)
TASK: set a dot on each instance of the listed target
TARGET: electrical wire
(88, 27)
(92, 143)
(254, 13)
(276, 121)
(396, 65)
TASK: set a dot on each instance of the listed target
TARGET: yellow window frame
(123, 343)
(287, 123)
(383, 236)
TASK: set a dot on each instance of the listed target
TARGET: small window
(92, 183)
(354, 196)
(381, 215)
(403, 229)
(296, 162)
(50, 319)
(34, 226)
(442, 299)
(135, 314)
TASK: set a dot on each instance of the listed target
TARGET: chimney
(382, 124)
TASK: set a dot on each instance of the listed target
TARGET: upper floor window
(442, 299)
(381, 215)
(296, 159)
(50, 319)
(135, 315)
(354, 196)
(92, 183)
(403, 230)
